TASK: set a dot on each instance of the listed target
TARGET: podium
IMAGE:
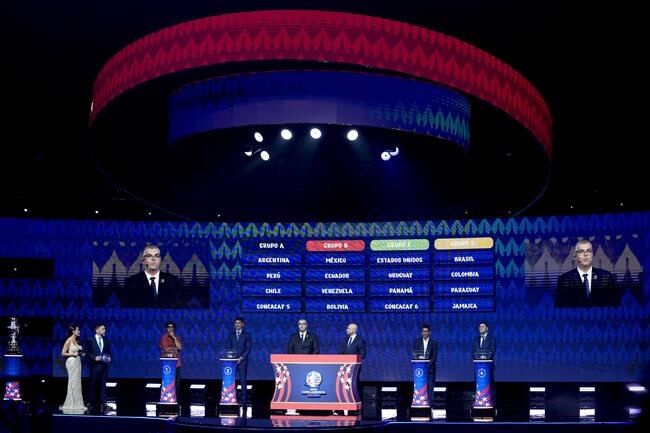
(420, 404)
(228, 404)
(484, 397)
(168, 406)
(420, 389)
(316, 382)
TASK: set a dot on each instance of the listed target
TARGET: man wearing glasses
(586, 286)
(152, 288)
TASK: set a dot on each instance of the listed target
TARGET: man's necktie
(302, 337)
(349, 342)
(238, 332)
(100, 343)
(481, 345)
(585, 283)
(153, 286)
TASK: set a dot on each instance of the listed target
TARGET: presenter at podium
(303, 342)
(484, 345)
(427, 348)
(171, 345)
(240, 341)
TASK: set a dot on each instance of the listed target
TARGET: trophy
(14, 329)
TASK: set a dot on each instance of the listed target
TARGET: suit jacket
(431, 353)
(243, 346)
(489, 347)
(358, 347)
(92, 350)
(571, 291)
(309, 347)
(137, 292)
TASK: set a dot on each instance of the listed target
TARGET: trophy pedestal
(12, 373)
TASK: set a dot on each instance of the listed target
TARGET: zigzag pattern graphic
(425, 117)
(326, 37)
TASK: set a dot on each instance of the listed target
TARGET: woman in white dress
(74, 401)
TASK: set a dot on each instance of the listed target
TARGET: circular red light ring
(320, 36)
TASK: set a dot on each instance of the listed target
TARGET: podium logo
(313, 379)
(167, 369)
(227, 371)
(482, 372)
(419, 372)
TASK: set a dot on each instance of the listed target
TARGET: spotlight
(254, 151)
(388, 154)
(258, 137)
(315, 133)
(286, 134)
(353, 134)
(96, 212)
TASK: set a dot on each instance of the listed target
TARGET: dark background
(585, 60)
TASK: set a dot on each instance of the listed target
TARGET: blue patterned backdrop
(536, 342)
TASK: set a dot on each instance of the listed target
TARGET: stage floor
(299, 423)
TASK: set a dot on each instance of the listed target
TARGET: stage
(550, 407)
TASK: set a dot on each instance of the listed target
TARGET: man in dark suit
(427, 348)
(484, 346)
(98, 353)
(303, 342)
(152, 288)
(586, 286)
(353, 344)
(240, 341)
